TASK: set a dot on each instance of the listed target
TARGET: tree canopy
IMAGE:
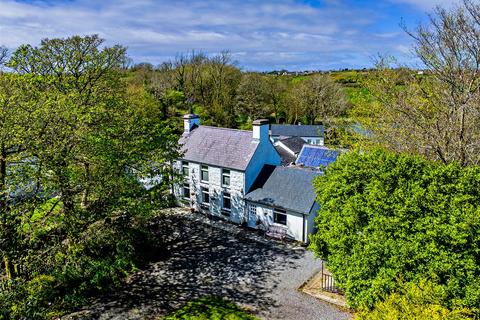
(387, 219)
(78, 141)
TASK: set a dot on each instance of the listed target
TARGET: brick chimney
(190, 122)
(260, 130)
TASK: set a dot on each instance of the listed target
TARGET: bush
(414, 302)
(210, 308)
(386, 217)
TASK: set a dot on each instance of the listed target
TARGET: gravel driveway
(216, 258)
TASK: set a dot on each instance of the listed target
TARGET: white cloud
(428, 5)
(260, 35)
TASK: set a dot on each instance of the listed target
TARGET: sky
(260, 35)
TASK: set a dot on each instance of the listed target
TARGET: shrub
(385, 217)
(414, 302)
(210, 308)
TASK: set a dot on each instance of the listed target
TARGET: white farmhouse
(220, 165)
(236, 174)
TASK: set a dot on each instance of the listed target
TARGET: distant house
(220, 165)
(318, 157)
(312, 134)
(283, 199)
(289, 148)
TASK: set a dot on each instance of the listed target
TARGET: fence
(328, 283)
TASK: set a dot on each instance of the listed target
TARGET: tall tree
(316, 98)
(97, 146)
(276, 92)
(253, 96)
(436, 114)
(3, 56)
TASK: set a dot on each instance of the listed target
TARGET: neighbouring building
(311, 134)
(220, 165)
(283, 199)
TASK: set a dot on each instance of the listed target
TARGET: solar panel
(316, 157)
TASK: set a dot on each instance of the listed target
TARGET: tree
(3, 55)
(89, 138)
(385, 219)
(253, 96)
(317, 97)
(435, 114)
(82, 85)
(276, 92)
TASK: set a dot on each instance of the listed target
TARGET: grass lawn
(211, 308)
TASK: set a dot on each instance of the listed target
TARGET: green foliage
(210, 308)
(75, 210)
(386, 218)
(414, 302)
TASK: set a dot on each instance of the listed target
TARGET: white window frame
(252, 210)
(185, 167)
(204, 168)
(204, 191)
(223, 201)
(186, 186)
(225, 174)
(281, 212)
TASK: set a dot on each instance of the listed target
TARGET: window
(227, 203)
(186, 191)
(279, 216)
(204, 173)
(225, 177)
(185, 169)
(252, 210)
(205, 195)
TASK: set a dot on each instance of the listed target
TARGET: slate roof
(285, 156)
(287, 130)
(289, 188)
(228, 148)
(295, 144)
(316, 156)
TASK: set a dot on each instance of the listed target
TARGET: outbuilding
(282, 199)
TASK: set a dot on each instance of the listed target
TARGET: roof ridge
(222, 128)
(299, 125)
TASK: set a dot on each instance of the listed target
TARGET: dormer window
(225, 177)
(204, 173)
(185, 168)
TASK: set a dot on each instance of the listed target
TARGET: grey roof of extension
(228, 148)
(295, 144)
(286, 158)
(288, 130)
(289, 188)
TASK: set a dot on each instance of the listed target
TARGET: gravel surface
(206, 258)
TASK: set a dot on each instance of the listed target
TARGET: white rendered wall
(310, 221)
(237, 181)
(295, 223)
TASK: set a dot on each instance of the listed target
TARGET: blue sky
(261, 35)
